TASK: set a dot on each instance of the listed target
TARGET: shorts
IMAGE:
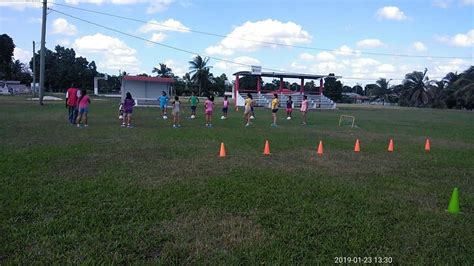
(128, 112)
(193, 108)
(247, 110)
(274, 110)
(224, 109)
(175, 112)
(289, 109)
(208, 112)
(83, 110)
(163, 106)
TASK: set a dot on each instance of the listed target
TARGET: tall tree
(163, 71)
(380, 90)
(200, 71)
(6, 54)
(416, 90)
(333, 88)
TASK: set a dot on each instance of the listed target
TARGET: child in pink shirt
(209, 106)
(83, 104)
(304, 108)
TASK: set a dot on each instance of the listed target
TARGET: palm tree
(416, 88)
(163, 71)
(200, 71)
(380, 90)
(438, 91)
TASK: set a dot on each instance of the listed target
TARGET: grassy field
(154, 194)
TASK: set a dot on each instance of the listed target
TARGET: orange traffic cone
(222, 152)
(266, 150)
(320, 148)
(427, 145)
(390, 145)
(357, 146)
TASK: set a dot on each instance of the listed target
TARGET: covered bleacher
(317, 100)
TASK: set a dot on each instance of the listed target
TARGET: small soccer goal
(347, 120)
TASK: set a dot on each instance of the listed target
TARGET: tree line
(63, 67)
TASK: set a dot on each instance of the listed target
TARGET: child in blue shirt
(163, 100)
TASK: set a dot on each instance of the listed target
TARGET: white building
(146, 90)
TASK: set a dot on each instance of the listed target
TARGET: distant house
(146, 90)
(357, 98)
(13, 87)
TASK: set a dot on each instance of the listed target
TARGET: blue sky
(349, 29)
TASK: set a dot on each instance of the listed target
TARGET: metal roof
(149, 79)
(283, 75)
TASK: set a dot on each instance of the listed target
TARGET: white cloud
(442, 3)
(391, 13)
(262, 34)
(246, 60)
(345, 50)
(62, 26)
(419, 46)
(325, 56)
(177, 69)
(20, 5)
(369, 43)
(306, 56)
(63, 42)
(158, 6)
(386, 68)
(114, 53)
(454, 65)
(23, 55)
(322, 56)
(467, 2)
(167, 25)
(34, 20)
(460, 39)
(76, 2)
(158, 37)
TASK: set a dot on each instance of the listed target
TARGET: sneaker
(123, 125)
(210, 125)
(207, 125)
(248, 124)
(129, 126)
(174, 126)
(179, 125)
(78, 125)
(85, 125)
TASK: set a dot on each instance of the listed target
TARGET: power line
(262, 42)
(184, 50)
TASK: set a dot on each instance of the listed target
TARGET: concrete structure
(263, 98)
(13, 87)
(146, 90)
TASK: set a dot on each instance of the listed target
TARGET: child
(304, 108)
(275, 105)
(120, 111)
(193, 100)
(163, 99)
(289, 108)
(209, 105)
(127, 106)
(83, 104)
(248, 109)
(225, 108)
(176, 109)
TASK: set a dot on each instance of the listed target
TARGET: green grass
(154, 194)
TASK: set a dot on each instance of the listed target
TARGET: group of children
(77, 102)
(126, 109)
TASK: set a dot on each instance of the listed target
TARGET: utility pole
(34, 69)
(43, 50)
